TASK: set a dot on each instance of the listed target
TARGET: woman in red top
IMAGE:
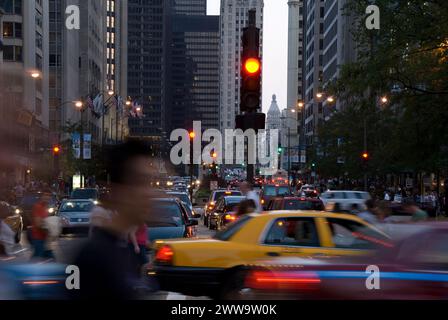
(38, 232)
(138, 239)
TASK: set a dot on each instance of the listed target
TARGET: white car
(345, 200)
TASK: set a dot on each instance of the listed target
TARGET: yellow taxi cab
(204, 267)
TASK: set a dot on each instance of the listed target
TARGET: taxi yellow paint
(246, 245)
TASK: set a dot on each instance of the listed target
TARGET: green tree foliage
(406, 61)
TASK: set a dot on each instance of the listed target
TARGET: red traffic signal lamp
(252, 66)
(56, 150)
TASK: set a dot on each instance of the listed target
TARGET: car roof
(78, 200)
(165, 200)
(298, 198)
(302, 213)
(353, 191)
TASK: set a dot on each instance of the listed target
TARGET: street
(66, 246)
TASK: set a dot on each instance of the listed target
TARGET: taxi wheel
(233, 286)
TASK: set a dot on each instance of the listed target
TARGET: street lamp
(79, 104)
(35, 74)
(384, 100)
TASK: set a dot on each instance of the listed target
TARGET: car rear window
(84, 194)
(303, 205)
(165, 214)
(283, 191)
(232, 229)
(220, 194)
(269, 191)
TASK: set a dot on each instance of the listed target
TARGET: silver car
(75, 215)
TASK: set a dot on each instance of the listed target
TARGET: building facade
(115, 124)
(190, 7)
(312, 68)
(234, 18)
(295, 53)
(64, 71)
(339, 46)
(92, 52)
(146, 60)
(24, 92)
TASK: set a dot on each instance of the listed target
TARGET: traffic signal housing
(251, 67)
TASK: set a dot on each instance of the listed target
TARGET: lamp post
(192, 135)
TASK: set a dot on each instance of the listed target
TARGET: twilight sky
(275, 53)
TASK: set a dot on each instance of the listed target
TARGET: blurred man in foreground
(106, 268)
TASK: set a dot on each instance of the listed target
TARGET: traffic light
(313, 165)
(251, 67)
(365, 156)
(280, 150)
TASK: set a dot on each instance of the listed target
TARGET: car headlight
(65, 220)
(96, 202)
(51, 210)
(17, 211)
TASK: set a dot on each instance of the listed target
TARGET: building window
(12, 30)
(12, 53)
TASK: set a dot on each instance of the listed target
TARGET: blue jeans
(40, 249)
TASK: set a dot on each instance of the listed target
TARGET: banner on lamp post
(87, 147)
(76, 143)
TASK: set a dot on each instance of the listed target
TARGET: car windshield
(165, 214)
(303, 205)
(232, 229)
(76, 206)
(84, 194)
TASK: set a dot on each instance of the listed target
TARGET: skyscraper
(115, 120)
(92, 58)
(313, 50)
(64, 71)
(146, 60)
(193, 71)
(234, 18)
(295, 53)
(24, 113)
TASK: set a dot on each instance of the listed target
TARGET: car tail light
(282, 280)
(230, 217)
(165, 255)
